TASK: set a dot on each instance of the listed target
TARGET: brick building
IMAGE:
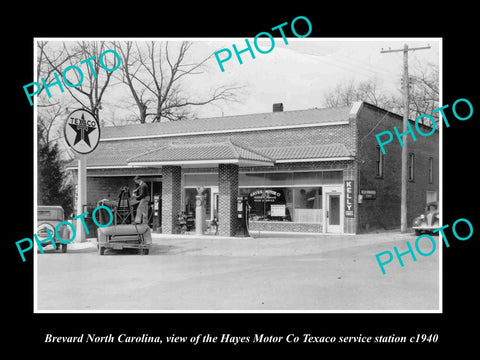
(314, 170)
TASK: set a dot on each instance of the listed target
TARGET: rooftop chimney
(277, 107)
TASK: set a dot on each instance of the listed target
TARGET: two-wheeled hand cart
(124, 233)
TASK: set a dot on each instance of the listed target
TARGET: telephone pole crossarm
(408, 49)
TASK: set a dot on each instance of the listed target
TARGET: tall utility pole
(403, 195)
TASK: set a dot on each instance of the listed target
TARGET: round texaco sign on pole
(82, 131)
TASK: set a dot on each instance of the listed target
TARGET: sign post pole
(82, 134)
(82, 196)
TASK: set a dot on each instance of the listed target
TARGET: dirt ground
(264, 273)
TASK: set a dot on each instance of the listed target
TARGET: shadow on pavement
(155, 249)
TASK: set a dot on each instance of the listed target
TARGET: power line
(336, 64)
(368, 67)
(376, 125)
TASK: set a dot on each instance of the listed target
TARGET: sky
(297, 74)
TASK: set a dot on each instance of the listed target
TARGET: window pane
(334, 216)
(333, 177)
(430, 170)
(201, 179)
(302, 204)
(308, 204)
(251, 179)
(379, 162)
(411, 166)
(261, 200)
(278, 179)
(52, 214)
(308, 198)
(308, 178)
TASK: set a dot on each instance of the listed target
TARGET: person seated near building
(214, 223)
(141, 194)
(181, 222)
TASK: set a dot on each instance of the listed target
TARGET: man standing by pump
(141, 194)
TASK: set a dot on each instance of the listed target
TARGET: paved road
(264, 273)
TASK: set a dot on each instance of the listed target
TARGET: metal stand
(124, 209)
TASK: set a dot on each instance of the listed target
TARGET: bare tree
(346, 93)
(43, 69)
(49, 110)
(47, 120)
(130, 67)
(423, 94)
(91, 89)
(341, 95)
(154, 77)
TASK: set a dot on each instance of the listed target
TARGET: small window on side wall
(411, 167)
(430, 170)
(379, 163)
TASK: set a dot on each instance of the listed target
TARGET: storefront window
(272, 196)
(308, 204)
(285, 204)
(269, 204)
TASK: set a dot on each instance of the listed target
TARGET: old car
(124, 233)
(125, 236)
(428, 221)
(48, 217)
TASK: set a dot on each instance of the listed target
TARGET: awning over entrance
(305, 153)
(201, 154)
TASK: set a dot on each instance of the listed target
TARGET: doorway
(333, 213)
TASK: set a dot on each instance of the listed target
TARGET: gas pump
(157, 212)
(200, 212)
(242, 216)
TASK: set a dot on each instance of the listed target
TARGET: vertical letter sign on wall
(82, 134)
(349, 198)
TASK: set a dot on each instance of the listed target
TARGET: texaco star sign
(82, 131)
